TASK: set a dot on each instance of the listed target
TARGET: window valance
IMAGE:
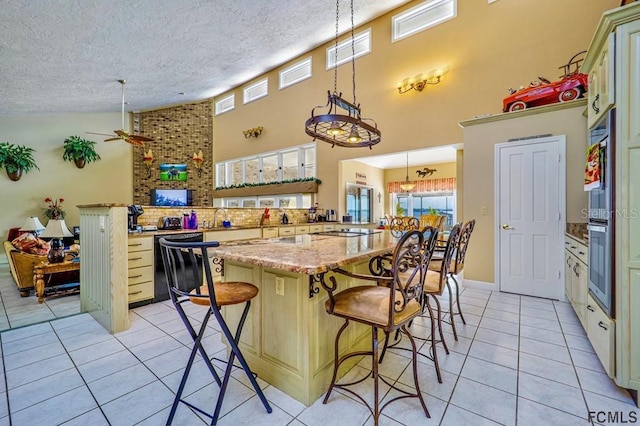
(426, 185)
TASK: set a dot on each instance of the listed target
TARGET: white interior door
(530, 207)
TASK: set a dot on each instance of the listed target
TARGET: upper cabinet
(601, 82)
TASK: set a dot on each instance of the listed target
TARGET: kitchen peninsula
(288, 338)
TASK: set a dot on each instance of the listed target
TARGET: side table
(50, 268)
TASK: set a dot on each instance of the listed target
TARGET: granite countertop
(308, 254)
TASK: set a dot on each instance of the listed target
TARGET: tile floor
(519, 360)
(17, 311)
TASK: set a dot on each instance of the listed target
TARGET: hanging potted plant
(80, 151)
(16, 159)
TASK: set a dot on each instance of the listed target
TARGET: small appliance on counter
(133, 212)
(170, 222)
(331, 215)
(313, 214)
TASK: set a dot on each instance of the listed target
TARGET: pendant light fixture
(407, 186)
(344, 128)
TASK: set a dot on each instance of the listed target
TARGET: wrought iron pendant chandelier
(347, 127)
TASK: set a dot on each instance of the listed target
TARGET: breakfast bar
(288, 337)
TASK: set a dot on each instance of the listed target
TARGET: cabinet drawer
(142, 291)
(578, 249)
(140, 258)
(601, 332)
(302, 230)
(316, 228)
(139, 244)
(286, 231)
(329, 227)
(140, 275)
(269, 232)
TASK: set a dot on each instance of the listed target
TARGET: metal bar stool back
(389, 305)
(455, 267)
(185, 264)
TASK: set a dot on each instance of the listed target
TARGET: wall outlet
(280, 286)
(484, 210)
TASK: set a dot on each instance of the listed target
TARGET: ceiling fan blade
(121, 133)
(101, 134)
(113, 139)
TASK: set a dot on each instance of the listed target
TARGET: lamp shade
(32, 224)
(56, 228)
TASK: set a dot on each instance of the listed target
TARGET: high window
(295, 73)
(425, 15)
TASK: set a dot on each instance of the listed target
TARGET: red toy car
(572, 86)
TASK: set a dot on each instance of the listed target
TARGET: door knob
(506, 227)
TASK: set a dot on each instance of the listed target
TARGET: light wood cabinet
(288, 338)
(601, 92)
(269, 232)
(316, 228)
(140, 269)
(286, 230)
(619, 347)
(300, 230)
(576, 277)
(601, 332)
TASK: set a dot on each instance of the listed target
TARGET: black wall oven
(601, 218)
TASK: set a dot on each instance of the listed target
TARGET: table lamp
(56, 229)
(32, 224)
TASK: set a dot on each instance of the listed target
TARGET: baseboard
(480, 285)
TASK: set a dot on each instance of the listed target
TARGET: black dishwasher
(161, 290)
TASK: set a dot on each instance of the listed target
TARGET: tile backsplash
(237, 216)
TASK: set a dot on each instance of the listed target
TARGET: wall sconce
(147, 159)
(255, 132)
(420, 81)
(198, 160)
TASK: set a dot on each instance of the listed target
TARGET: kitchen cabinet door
(601, 91)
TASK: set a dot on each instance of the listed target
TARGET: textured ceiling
(66, 55)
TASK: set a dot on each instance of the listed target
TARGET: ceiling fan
(136, 140)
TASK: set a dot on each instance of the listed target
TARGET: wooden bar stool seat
(227, 293)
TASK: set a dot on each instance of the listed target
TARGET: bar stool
(184, 264)
(456, 266)
(388, 306)
(430, 234)
(400, 224)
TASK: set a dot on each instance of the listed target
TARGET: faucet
(215, 215)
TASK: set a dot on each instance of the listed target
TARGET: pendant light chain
(335, 53)
(343, 125)
(353, 58)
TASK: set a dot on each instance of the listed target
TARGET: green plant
(433, 211)
(77, 148)
(248, 185)
(15, 158)
(399, 209)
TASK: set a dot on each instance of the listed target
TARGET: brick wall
(178, 132)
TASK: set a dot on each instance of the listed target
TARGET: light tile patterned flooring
(519, 360)
(17, 311)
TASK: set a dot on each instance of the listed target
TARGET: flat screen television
(171, 197)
